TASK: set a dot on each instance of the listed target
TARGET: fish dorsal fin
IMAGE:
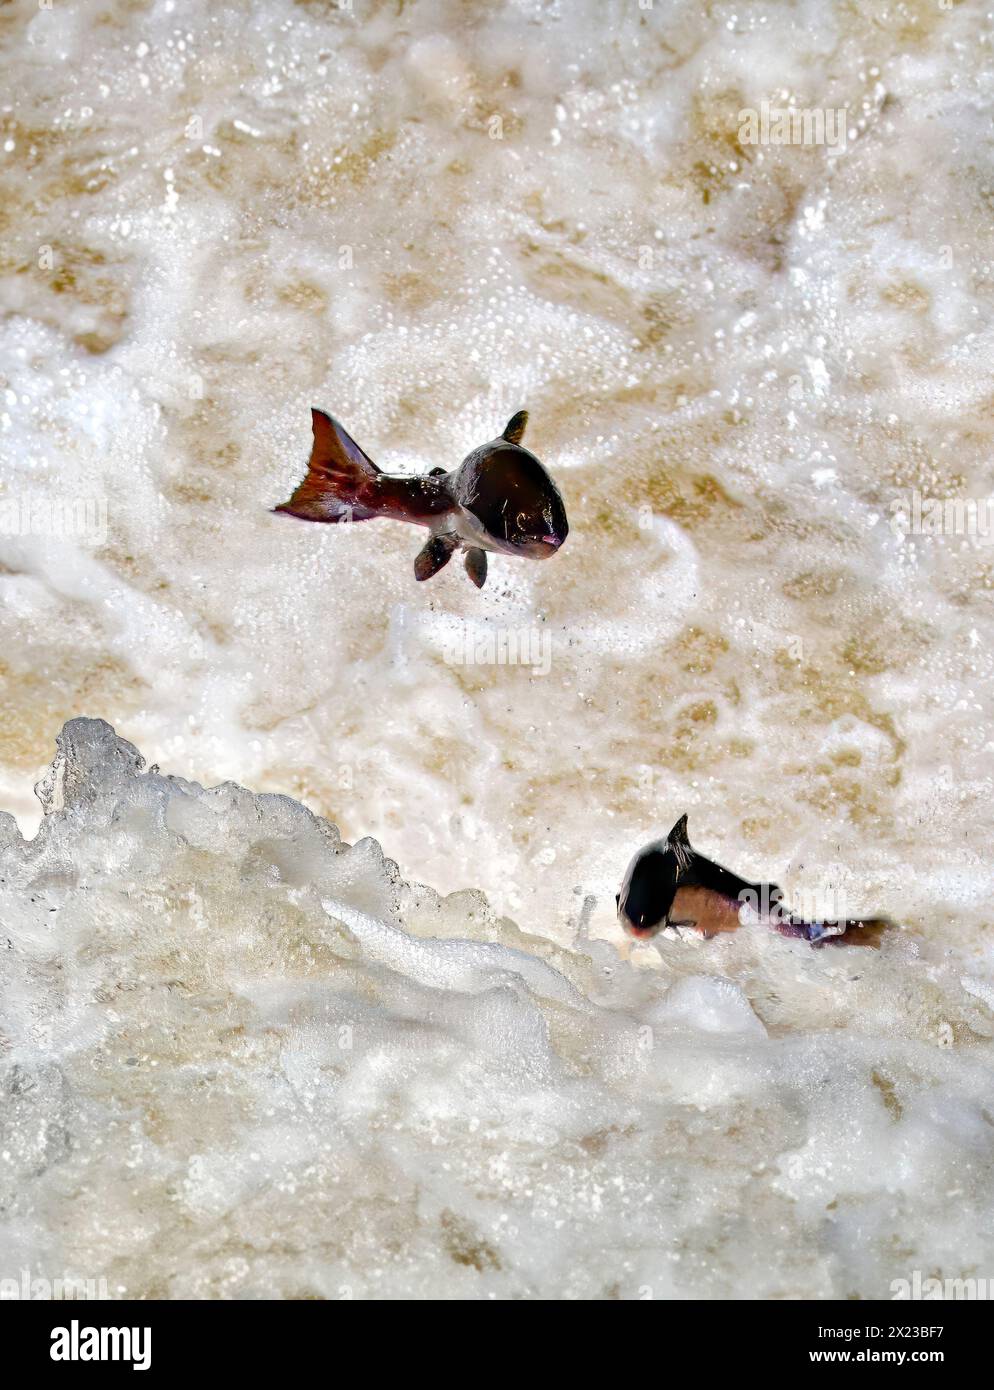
(678, 835)
(679, 841)
(515, 427)
(680, 844)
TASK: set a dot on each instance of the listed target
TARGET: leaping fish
(499, 499)
(668, 884)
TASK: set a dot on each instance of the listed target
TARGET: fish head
(651, 882)
(513, 498)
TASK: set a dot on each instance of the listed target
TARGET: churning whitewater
(241, 1058)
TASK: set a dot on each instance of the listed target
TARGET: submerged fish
(668, 884)
(500, 498)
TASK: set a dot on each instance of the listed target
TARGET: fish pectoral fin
(435, 554)
(476, 566)
(515, 427)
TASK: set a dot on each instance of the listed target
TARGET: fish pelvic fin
(515, 427)
(340, 483)
(476, 566)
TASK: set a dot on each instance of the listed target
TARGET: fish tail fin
(854, 931)
(340, 483)
(862, 931)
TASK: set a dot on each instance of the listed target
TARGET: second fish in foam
(500, 498)
(668, 884)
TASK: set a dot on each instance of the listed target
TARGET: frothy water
(244, 1059)
(743, 362)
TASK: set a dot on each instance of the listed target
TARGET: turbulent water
(244, 1059)
(236, 1058)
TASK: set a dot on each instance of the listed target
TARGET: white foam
(241, 1058)
(735, 360)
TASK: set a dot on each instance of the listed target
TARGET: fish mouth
(641, 928)
(639, 932)
(543, 546)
